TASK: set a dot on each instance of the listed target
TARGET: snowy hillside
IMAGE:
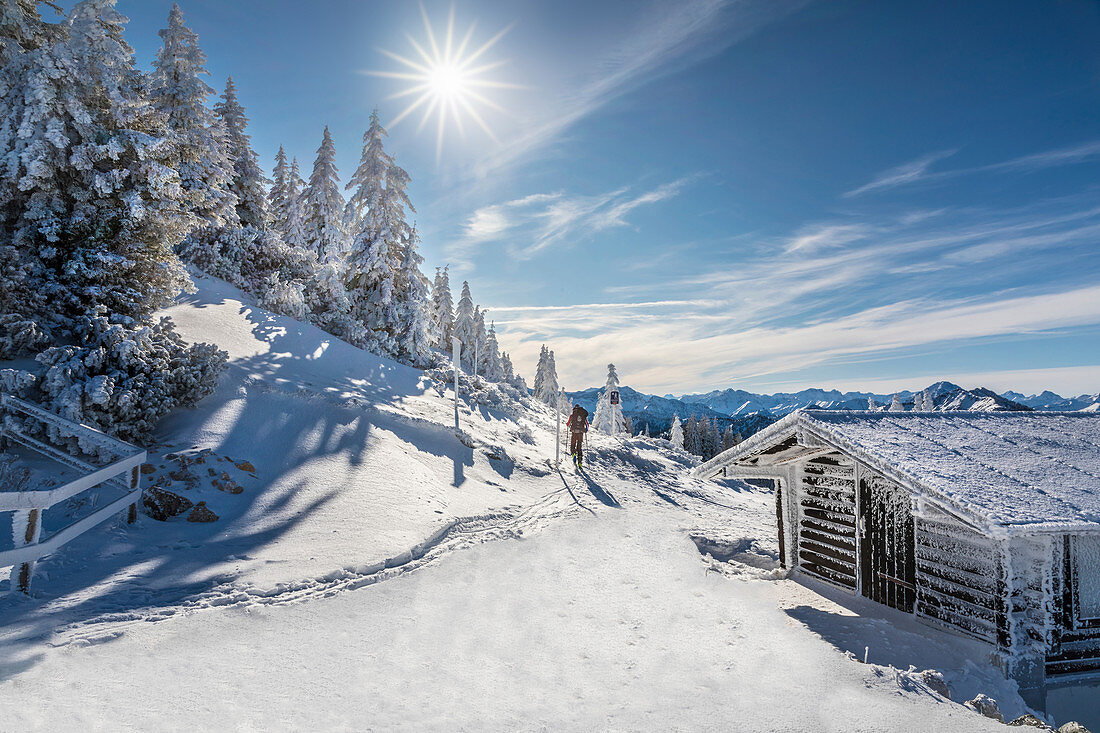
(631, 596)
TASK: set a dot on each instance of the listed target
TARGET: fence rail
(27, 507)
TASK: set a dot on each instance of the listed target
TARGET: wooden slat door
(887, 560)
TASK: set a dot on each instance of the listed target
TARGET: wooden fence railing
(28, 507)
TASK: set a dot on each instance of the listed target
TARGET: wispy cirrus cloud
(920, 170)
(533, 223)
(663, 36)
(905, 173)
(836, 292)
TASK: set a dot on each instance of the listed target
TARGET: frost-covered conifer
(413, 325)
(464, 325)
(442, 310)
(609, 417)
(323, 206)
(507, 370)
(925, 402)
(278, 203)
(693, 442)
(494, 370)
(177, 89)
(102, 203)
(546, 377)
(480, 338)
(895, 404)
(293, 227)
(676, 434)
(383, 248)
(248, 181)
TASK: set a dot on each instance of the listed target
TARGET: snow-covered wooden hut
(985, 523)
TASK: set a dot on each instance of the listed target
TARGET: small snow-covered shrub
(123, 377)
(20, 335)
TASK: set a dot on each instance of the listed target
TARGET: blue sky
(767, 195)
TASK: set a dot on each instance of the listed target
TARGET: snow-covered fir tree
(442, 310)
(546, 378)
(480, 337)
(729, 439)
(178, 90)
(676, 434)
(102, 208)
(494, 370)
(384, 283)
(609, 417)
(464, 325)
(895, 404)
(323, 206)
(278, 202)
(95, 223)
(925, 402)
(293, 226)
(413, 327)
(693, 439)
(507, 370)
(248, 181)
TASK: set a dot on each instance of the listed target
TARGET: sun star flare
(447, 79)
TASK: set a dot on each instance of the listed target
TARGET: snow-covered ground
(376, 571)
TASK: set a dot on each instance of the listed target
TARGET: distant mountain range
(656, 412)
(749, 412)
(945, 396)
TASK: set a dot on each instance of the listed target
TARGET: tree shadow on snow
(264, 411)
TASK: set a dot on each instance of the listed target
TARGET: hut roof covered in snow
(1033, 470)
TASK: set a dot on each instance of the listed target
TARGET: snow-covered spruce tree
(507, 371)
(464, 327)
(609, 417)
(676, 434)
(693, 442)
(925, 402)
(102, 209)
(895, 404)
(546, 378)
(481, 336)
(177, 89)
(293, 227)
(323, 206)
(413, 327)
(628, 425)
(248, 181)
(278, 203)
(385, 286)
(22, 33)
(442, 310)
(100, 213)
(728, 438)
(538, 386)
(494, 370)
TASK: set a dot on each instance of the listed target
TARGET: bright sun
(446, 80)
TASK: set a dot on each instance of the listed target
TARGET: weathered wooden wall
(827, 519)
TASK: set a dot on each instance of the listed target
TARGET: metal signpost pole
(456, 354)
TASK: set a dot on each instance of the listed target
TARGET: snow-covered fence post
(26, 528)
(456, 354)
(135, 484)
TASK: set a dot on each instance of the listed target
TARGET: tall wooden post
(135, 482)
(26, 529)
